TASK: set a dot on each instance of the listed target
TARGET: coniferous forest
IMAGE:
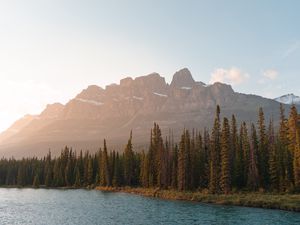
(228, 158)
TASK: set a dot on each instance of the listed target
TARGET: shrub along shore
(289, 202)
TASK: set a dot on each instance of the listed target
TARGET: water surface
(59, 207)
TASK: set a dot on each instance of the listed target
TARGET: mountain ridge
(134, 104)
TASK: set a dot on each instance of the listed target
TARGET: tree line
(229, 158)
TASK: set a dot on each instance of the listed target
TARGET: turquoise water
(59, 207)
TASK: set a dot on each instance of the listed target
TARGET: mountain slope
(134, 104)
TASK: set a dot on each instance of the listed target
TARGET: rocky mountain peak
(225, 89)
(183, 78)
(91, 92)
(126, 82)
(153, 82)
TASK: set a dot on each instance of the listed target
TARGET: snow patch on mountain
(288, 99)
(186, 88)
(138, 98)
(89, 101)
(160, 95)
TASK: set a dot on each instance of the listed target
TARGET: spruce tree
(285, 156)
(129, 162)
(273, 166)
(144, 175)
(263, 160)
(77, 182)
(182, 162)
(296, 161)
(215, 155)
(151, 162)
(68, 173)
(225, 158)
(174, 175)
(104, 177)
(292, 131)
(21, 174)
(246, 149)
(90, 171)
(116, 182)
(252, 181)
(234, 151)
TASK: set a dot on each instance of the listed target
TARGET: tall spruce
(129, 162)
(296, 161)
(183, 158)
(225, 158)
(235, 151)
(273, 162)
(253, 181)
(285, 155)
(215, 155)
(263, 151)
(104, 177)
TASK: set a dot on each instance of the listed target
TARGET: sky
(51, 50)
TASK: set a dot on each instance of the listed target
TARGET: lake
(84, 207)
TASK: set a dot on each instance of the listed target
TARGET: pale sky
(51, 50)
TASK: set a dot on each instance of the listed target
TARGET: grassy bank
(290, 202)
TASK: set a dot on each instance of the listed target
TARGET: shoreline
(287, 202)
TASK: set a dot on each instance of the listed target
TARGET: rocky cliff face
(134, 104)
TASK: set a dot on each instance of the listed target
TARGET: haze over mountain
(134, 104)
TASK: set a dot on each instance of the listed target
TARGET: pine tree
(151, 162)
(183, 162)
(235, 152)
(203, 162)
(239, 170)
(104, 177)
(296, 161)
(21, 174)
(263, 160)
(68, 173)
(205, 176)
(292, 130)
(77, 176)
(273, 167)
(90, 171)
(285, 156)
(160, 159)
(215, 155)
(129, 162)
(48, 170)
(252, 182)
(225, 158)
(245, 151)
(48, 179)
(174, 175)
(144, 174)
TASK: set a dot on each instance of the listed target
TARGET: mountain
(288, 99)
(134, 104)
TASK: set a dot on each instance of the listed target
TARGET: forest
(230, 157)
